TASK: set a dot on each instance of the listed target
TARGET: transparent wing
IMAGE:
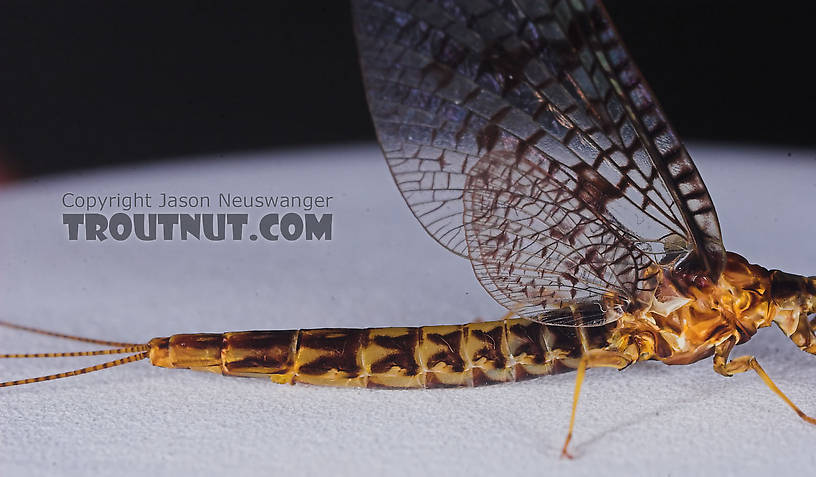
(537, 241)
(522, 136)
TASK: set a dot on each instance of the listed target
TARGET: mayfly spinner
(524, 138)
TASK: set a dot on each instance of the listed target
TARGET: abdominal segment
(425, 357)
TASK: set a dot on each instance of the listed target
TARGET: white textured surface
(380, 269)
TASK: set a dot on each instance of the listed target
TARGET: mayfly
(523, 138)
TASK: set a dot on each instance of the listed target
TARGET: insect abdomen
(432, 356)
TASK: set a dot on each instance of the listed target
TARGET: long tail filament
(141, 351)
(64, 336)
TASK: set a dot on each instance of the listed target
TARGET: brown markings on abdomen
(391, 358)
(443, 357)
(432, 356)
(488, 353)
(200, 350)
(331, 354)
(251, 353)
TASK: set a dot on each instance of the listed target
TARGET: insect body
(683, 324)
(678, 328)
(523, 138)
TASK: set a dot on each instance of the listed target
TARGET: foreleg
(745, 363)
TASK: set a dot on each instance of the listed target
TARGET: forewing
(646, 131)
(467, 97)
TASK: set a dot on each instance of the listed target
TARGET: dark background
(93, 83)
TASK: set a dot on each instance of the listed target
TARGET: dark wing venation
(601, 50)
(536, 245)
(438, 96)
(457, 88)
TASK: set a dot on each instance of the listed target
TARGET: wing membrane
(523, 137)
(536, 245)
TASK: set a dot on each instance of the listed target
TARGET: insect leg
(595, 358)
(579, 380)
(747, 363)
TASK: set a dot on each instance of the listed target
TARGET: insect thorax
(689, 314)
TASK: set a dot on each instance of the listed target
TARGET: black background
(91, 83)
